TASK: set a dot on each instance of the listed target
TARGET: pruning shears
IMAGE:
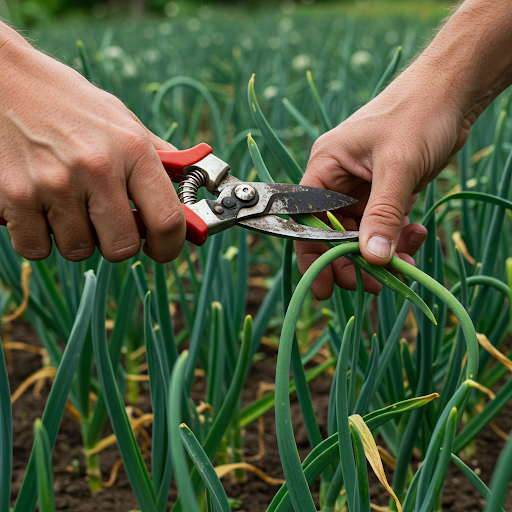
(250, 205)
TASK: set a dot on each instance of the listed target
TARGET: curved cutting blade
(271, 225)
(286, 199)
(293, 199)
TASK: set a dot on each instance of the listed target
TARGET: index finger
(152, 192)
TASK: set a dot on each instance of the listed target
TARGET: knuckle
(321, 144)
(394, 158)
(77, 254)
(20, 196)
(32, 253)
(169, 222)
(54, 182)
(96, 163)
(385, 213)
(120, 250)
(415, 162)
(138, 141)
(317, 145)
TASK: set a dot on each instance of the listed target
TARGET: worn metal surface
(282, 198)
(213, 169)
(269, 198)
(286, 229)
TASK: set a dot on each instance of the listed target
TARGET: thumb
(382, 220)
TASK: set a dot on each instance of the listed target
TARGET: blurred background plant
(26, 13)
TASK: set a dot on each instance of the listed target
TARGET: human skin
(390, 149)
(71, 157)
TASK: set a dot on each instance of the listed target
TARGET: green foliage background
(28, 13)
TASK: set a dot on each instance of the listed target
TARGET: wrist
(16, 54)
(470, 59)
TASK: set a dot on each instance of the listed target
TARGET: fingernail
(417, 237)
(379, 246)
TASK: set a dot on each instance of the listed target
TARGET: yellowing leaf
(372, 454)
(481, 154)
(386, 457)
(457, 240)
(42, 373)
(502, 358)
(227, 468)
(482, 388)
(26, 270)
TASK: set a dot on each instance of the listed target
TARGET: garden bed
(72, 491)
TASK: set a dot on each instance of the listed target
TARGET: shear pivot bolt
(228, 202)
(245, 192)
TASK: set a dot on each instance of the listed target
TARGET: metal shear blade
(250, 205)
(276, 226)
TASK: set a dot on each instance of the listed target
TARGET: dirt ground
(71, 488)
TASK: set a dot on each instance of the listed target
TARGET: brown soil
(71, 488)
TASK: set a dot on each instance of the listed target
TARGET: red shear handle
(175, 161)
(197, 230)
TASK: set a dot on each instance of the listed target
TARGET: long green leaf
(205, 469)
(319, 106)
(125, 304)
(258, 408)
(379, 273)
(223, 418)
(436, 484)
(5, 435)
(480, 421)
(453, 304)
(57, 399)
(362, 472)
(303, 394)
(348, 465)
(276, 146)
(484, 281)
(476, 196)
(161, 466)
(43, 463)
(259, 164)
(472, 477)
(327, 451)
(201, 307)
(500, 479)
(458, 401)
(132, 458)
(178, 81)
(303, 121)
(179, 458)
(388, 73)
(164, 315)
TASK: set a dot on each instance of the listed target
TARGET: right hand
(70, 154)
(383, 155)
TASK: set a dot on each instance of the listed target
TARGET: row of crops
(189, 79)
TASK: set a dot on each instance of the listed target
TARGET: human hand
(383, 155)
(70, 155)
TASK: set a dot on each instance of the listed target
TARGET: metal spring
(190, 184)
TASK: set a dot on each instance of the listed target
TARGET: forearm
(471, 56)
(9, 39)
(20, 65)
